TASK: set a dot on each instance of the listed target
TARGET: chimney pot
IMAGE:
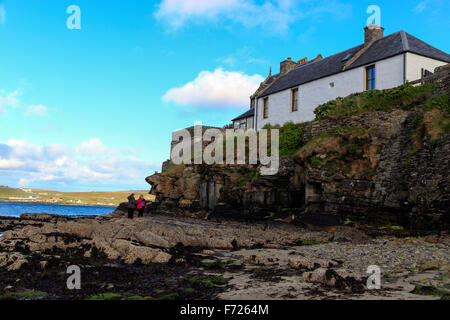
(372, 33)
(319, 57)
(302, 61)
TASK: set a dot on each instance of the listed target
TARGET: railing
(435, 77)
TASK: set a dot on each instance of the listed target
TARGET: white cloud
(216, 89)
(23, 183)
(36, 110)
(275, 16)
(2, 14)
(305, 35)
(241, 58)
(10, 163)
(58, 164)
(11, 99)
(21, 149)
(421, 6)
(8, 99)
(179, 11)
(94, 146)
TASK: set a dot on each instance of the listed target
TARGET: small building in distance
(245, 120)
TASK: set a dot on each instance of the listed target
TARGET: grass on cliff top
(403, 96)
(291, 137)
(347, 150)
(432, 125)
(174, 172)
(437, 117)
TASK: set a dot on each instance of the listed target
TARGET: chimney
(372, 33)
(319, 57)
(302, 61)
(287, 66)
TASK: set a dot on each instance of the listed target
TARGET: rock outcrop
(228, 191)
(148, 240)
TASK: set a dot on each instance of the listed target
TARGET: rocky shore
(163, 257)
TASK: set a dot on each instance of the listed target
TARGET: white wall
(248, 121)
(389, 74)
(415, 63)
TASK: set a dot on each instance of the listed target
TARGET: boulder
(340, 279)
(260, 260)
(317, 276)
(145, 255)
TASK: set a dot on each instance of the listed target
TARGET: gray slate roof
(389, 46)
(271, 79)
(249, 113)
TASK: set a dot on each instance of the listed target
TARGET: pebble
(390, 257)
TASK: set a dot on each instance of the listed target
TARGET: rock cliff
(386, 167)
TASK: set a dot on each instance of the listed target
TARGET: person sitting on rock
(132, 203)
(141, 206)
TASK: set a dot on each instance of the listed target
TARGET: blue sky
(93, 109)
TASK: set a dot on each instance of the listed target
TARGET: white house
(380, 63)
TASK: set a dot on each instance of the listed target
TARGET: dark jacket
(132, 203)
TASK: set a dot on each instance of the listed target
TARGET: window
(294, 100)
(265, 112)
(347, 57)
(331, 84)
(370, 78)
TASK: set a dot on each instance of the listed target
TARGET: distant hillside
(106, 198)
(11, 192)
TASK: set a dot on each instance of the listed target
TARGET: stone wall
(387, 122)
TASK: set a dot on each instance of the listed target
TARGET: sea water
(15, 209)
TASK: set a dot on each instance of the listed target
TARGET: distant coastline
(59, 203)
(91, 198)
